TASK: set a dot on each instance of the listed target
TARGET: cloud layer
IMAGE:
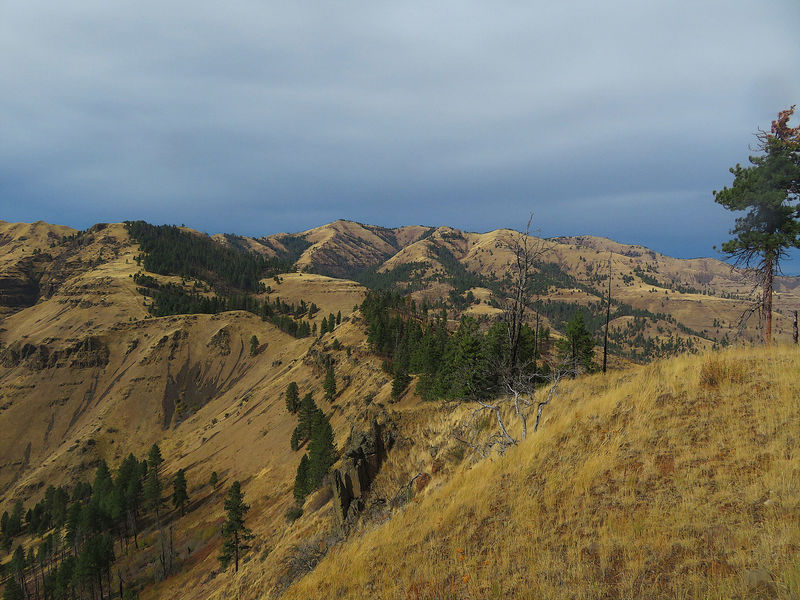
(614, 119)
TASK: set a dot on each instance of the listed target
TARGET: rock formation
(365, 453)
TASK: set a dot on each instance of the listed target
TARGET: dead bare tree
(512, 411)
(608, 317)
(527, 252)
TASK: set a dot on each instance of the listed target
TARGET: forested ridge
(168, 250)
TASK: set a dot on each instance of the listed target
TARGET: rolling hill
(88, 373)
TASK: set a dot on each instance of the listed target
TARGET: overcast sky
(613, 118)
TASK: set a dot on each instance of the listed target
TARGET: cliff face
(19, 286)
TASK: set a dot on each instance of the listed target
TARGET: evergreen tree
(323, 328)
(154, 458)
(578, 347)
(329, 384)
(294, 443)
(400, 383)
(301, 487)
(321, 450)
(339, 318)
(253, 345)
(14, 524)
(12, 590)
(234, 532)
(305, 416)
(214, 479)
(179, 494)
(331, 322)
(292, 397)
(17, 568)
(152, 492)
(769, 191)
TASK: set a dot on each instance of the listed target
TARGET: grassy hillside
(674, 477)
(675, 480)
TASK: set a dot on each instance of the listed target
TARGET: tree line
(172, 299)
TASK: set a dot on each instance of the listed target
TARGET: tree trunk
(608, 318)
(536, 340)
(236, 551)
(769, 271)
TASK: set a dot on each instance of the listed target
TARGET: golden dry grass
(667, 481)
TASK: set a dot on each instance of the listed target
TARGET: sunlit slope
(675, 480)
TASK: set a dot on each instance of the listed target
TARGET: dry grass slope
(675, 480)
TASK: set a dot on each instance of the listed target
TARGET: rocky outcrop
(366, 451)
(87, 353)
(19, 283)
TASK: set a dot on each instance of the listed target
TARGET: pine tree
(214, 479)
(578, 347)
(253, 345)
(12, 590)
(305, 416)
(17, 567)
(330, 384)
(769, 191)
(234, 532)
(321, 450)
(339, 318)
(154, 458)
(152, 492)
(323, 328)
(294, 443)
(292, 397)
(14, 524)
(179, 494)
(301, 487)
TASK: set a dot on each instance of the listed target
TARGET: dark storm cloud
(613, 118)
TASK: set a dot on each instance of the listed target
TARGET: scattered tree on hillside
(214, 479)
(179, 494)
(301, 487)
(578, 347)
(305, 416)
(769, 191)
(329, 385)
(321, 450)
(292, 397)
(253, 345)
(235, 534)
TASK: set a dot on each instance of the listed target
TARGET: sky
(614, 118)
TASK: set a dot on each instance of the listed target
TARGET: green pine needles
(234, 533)
(769, 192)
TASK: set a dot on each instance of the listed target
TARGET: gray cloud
(608, 118)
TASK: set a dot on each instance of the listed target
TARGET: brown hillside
(674, 480)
